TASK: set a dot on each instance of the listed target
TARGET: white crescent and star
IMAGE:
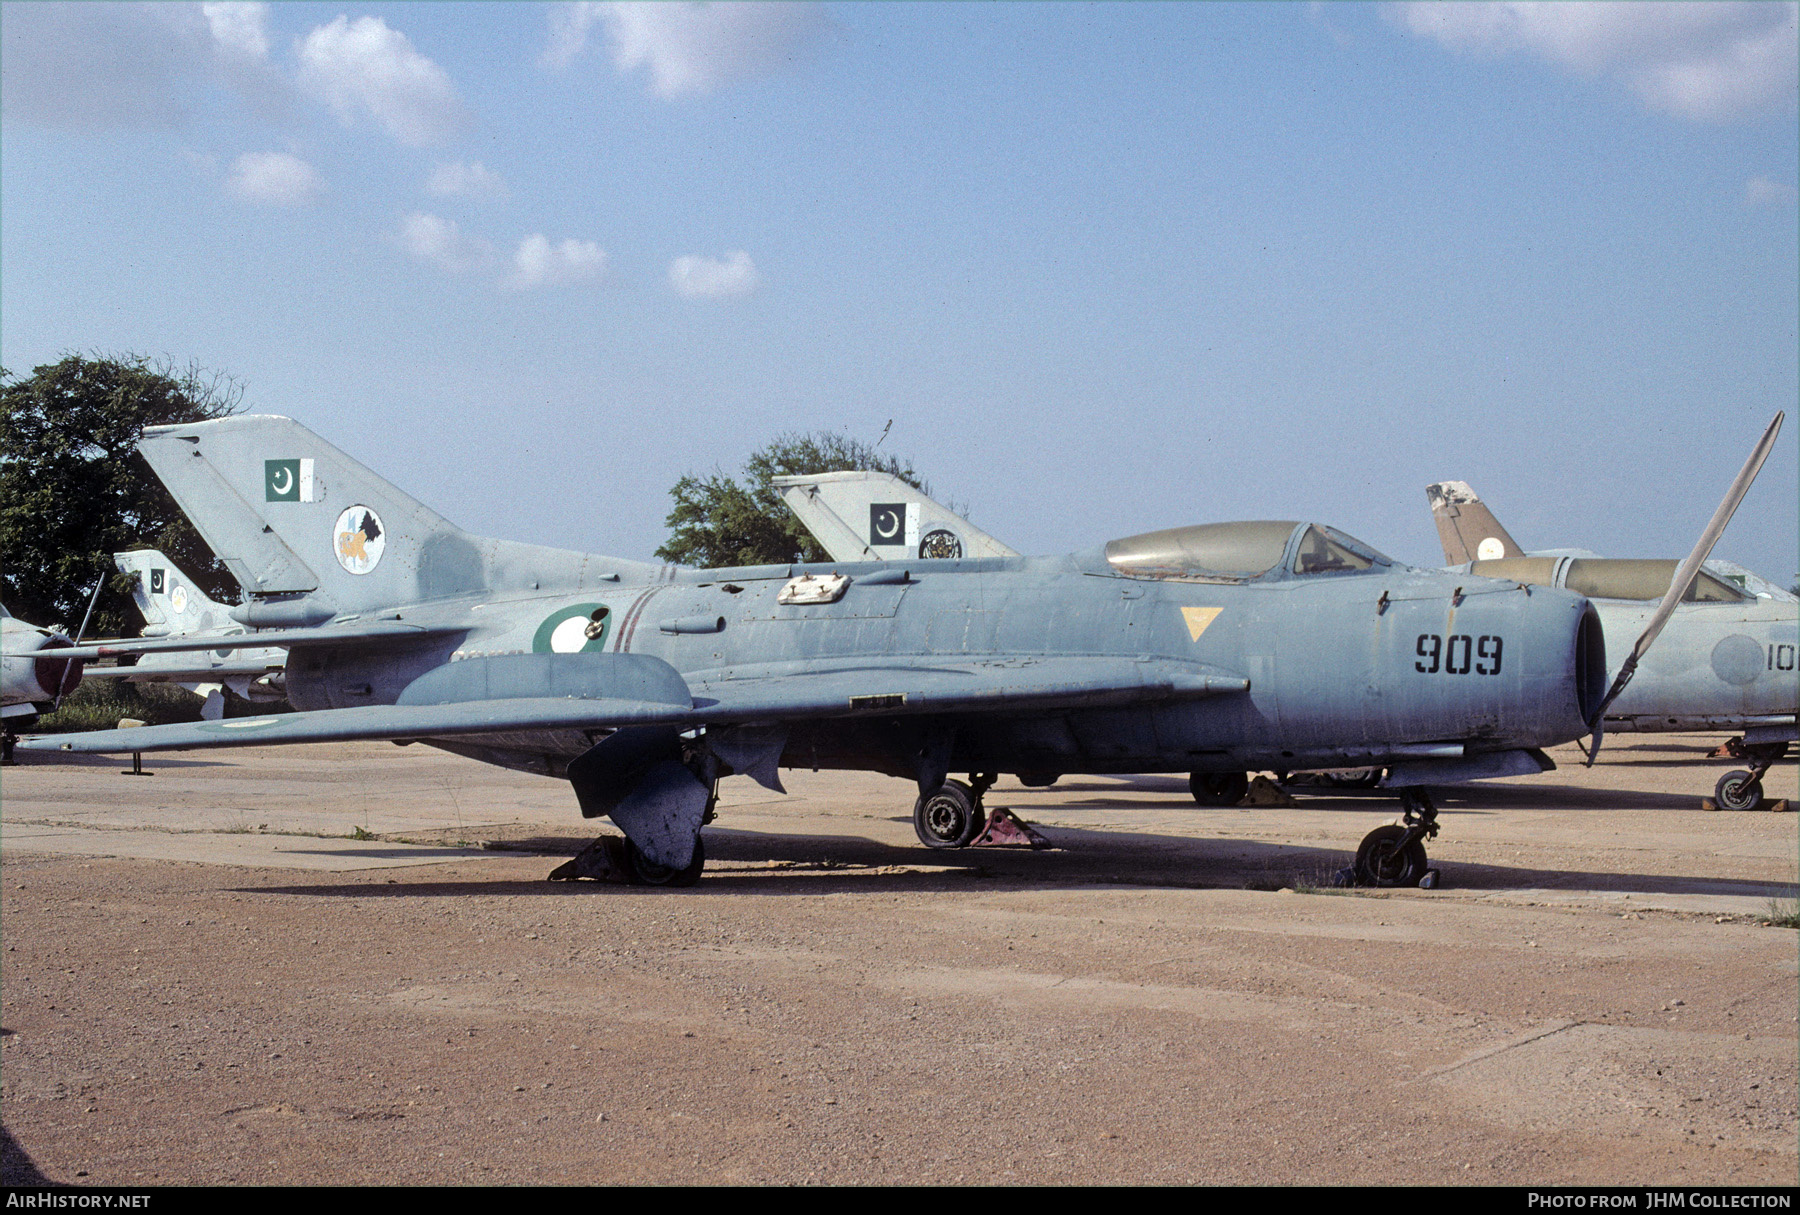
(283, 480)
(887, 523)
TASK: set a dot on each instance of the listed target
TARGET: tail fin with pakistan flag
(309, 533)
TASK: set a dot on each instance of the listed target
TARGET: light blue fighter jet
(1725, 662)
(1213, 650)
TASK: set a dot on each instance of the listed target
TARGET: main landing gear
(1219, 788)
(952, 814)
(1741, 790)
(1394, 855)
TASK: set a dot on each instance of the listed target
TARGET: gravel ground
(294, 966)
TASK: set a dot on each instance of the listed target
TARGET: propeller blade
(1686, 573)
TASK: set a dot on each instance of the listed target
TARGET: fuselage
(1715, 666)
(1344, 668)
(1725, 659)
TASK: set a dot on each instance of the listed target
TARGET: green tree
(74, 490)
(719, 521)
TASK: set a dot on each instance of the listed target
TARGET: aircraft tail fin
(875, 516)
(1466, 526)
(309, 532)
(167, 598)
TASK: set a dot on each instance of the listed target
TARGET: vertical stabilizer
(168, 599)
(875, 516)
(1466, 526)
(291, 515)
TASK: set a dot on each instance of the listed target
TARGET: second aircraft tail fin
(875, 516)
(1466, 526)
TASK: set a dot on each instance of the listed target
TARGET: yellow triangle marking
(1198, 618)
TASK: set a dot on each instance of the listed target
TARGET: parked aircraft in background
(173, 606)
(33, 676)
(875, 516)
(1726, 660)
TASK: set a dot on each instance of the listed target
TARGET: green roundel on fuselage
(577, 629)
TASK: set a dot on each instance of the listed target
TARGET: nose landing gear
(1394, 855)
(1741, 790)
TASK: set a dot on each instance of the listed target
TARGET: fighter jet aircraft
(1725, 661)
(1215, 649)
(173, 606)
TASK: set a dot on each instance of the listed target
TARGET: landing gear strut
(1394, 855)
(952, 815)
(1741, 790)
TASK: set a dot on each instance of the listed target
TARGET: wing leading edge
(606, 691)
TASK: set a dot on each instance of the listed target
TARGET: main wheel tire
(1738, 790)
(948, 818)
(1219, 788)
(646, 872)
(1380, 861)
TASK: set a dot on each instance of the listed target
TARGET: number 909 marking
(1458, 654)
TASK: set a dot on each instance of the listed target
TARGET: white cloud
(538, 263)
(364, 66)
(239, 29)
(707, 277)
(465, 178)
(431, 238)
(1761, 192)
(87, 66)
(277, 178)
(1701, 61)
(688, 47)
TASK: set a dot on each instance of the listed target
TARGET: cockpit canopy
(1239, 552)
(1608, 577)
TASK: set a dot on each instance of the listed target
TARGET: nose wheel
(1394, 855)
(1741, 790)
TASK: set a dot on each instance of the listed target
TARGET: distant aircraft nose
(32, 673)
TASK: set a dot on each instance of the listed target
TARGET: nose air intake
(1590, 663)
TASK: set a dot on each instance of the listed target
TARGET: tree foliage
(74, 490)
(720, 521)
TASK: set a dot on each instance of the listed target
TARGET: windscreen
(1324, 550)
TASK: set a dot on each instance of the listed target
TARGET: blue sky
(1107, 268)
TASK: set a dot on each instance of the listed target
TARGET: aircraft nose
(53, 676)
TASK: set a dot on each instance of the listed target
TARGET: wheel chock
(1780, 805)
(603, 861)
(1265, 792)
(1007, 830)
